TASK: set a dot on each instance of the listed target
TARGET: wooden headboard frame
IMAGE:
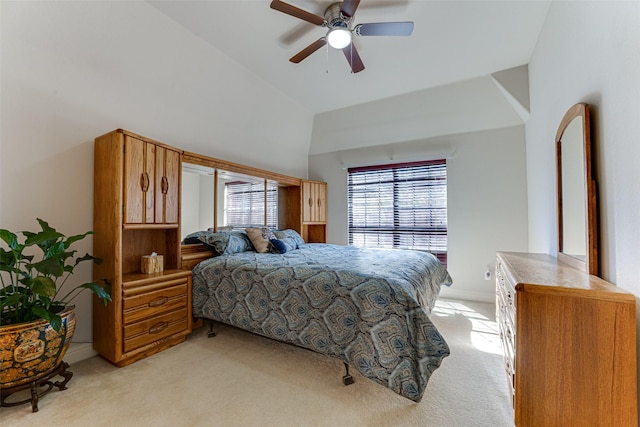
(198, 159)
(193, 254)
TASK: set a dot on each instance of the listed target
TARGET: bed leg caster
(347, 379)
(211, 333)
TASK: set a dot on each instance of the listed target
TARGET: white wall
(197, 202)
(72, 71)
(486, 190)
(590, 52)
(468, 106)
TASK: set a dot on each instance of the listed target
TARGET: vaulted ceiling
(453, 41)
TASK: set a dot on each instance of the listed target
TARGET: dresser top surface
(542, 272)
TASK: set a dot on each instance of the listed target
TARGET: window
(245, 204)
(399, 206)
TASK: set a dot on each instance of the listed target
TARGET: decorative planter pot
(30, 351)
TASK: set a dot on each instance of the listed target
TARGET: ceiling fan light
(339, 38)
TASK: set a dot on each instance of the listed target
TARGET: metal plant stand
(38, 388)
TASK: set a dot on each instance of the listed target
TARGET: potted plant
(37, 319)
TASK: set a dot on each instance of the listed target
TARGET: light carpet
(241, 379)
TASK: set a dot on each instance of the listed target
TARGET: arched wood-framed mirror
(576, 195)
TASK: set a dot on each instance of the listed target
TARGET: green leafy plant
(32, 283)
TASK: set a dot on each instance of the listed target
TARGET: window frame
(262, 198)
(429, 224)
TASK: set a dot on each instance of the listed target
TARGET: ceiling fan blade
(384, 29)
(297, 12)
(308, 50)
(353, 58)
(349, 7)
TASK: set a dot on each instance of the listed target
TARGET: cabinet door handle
(319, 202)
(158, 327)
(310, 202)
(158, 301)
(144, 181)
(164, 183)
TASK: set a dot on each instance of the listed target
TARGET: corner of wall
(514, 85)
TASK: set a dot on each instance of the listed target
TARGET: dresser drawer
(150, 304)
(152, 329)
(505, 317)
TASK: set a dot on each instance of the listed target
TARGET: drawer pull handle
(158, 301)
(164, 184)
(144, 181)
(158, 327)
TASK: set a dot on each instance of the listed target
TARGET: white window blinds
(399, 206)
(246, 204)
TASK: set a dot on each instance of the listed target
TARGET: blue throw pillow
(238, 242)
(278, 246)
(291, 234)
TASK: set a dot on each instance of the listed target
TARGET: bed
(367, 307)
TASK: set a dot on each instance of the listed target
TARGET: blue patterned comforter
(368, 307)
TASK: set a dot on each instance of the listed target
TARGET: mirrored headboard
(207, 182)
(576, 194)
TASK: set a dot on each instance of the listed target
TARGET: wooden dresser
(137, 187)
(569, 342)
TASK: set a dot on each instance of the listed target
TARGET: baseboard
(467, 295)
(79, 351)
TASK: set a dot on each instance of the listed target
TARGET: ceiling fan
(338, 18)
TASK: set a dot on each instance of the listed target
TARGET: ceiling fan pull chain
(351, 53)
(327, 58)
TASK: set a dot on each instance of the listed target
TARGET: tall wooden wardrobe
(136, 213)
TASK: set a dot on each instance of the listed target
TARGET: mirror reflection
(574, 221)
(576, 195)
(228, 200)
(197, 198)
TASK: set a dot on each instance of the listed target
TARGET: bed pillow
(260, 238)
(238, 242)
(280, 246)
(194, 238)
(277, 246)
(224, 242)
(217, 242)
(291, 234)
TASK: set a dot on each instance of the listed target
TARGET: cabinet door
(159, 184)
(172, 173)
(307, 201)
(139, 181)
(167, 186)
(134, 180)
(321, 202)
(150, 163)
(314, 201)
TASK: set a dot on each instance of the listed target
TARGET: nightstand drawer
(153, 303)
(153, 329)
